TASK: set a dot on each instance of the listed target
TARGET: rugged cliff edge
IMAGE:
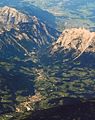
(78, 39)
(21, 33)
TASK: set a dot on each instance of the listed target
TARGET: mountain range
(41, 67)
(23, 33)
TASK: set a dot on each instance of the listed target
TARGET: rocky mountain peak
(79, 39)
(10, 16)
(23, 33)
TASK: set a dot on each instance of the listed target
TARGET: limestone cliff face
(12, 16)
(79, 39)
(23, 33)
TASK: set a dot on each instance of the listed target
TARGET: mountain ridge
(26, 32)
(10, 15)
(79, 39)
(35, 74)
